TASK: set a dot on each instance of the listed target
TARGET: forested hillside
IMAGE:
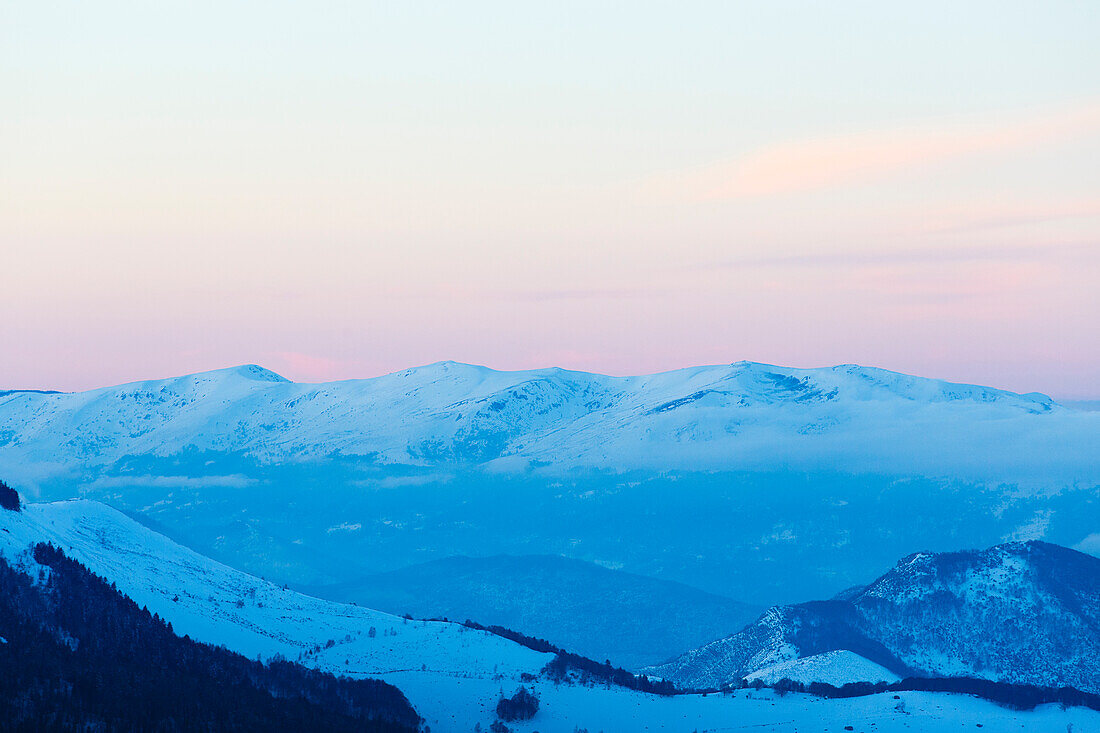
(75, 654)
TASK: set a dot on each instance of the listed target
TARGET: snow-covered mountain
(728, 416)
(598, 612)
(1025, 612)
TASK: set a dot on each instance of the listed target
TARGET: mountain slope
(600, 613)
(78, 655)
(1025, 612)
(836, 668)
(715, 416)
(220, 605)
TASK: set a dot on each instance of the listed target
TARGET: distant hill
(600, 613)
(1024, 612)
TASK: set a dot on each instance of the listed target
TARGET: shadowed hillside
(600, 613)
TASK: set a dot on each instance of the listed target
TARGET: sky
(339, 190)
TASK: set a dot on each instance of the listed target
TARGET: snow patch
(835, 668)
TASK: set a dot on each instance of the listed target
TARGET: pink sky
(622, 196)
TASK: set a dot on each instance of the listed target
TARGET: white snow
(739, 415)
(833, 668)
(564, 709)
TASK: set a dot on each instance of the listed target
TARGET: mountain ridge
(259, 373)
(717, 416)
(1024, 612)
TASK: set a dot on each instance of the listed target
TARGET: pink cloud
(818, 163)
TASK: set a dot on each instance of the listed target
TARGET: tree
(9, 497)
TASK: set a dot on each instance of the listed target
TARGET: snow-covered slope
(836, 668)
(216, 604)
(453, 676)
(1026, 612)
(737, 415)
(213, 603)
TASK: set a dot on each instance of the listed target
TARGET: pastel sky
(340, 190)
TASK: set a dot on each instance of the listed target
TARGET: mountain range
(753, 482)
(713, 417)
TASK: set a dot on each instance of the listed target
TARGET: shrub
(521, 706)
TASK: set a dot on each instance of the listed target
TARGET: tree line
(1008, 694)
(565, 662)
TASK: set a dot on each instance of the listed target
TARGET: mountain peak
(241, 372)
(256, 373)
(448, 365)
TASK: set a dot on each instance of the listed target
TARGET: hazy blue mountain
(1024, 612)
(600, 613)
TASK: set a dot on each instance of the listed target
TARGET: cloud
(230, 481)
(1090, 545)
(795, 166)
(545, 294)
(530, 294)
(915, 256)
(1008, 214)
